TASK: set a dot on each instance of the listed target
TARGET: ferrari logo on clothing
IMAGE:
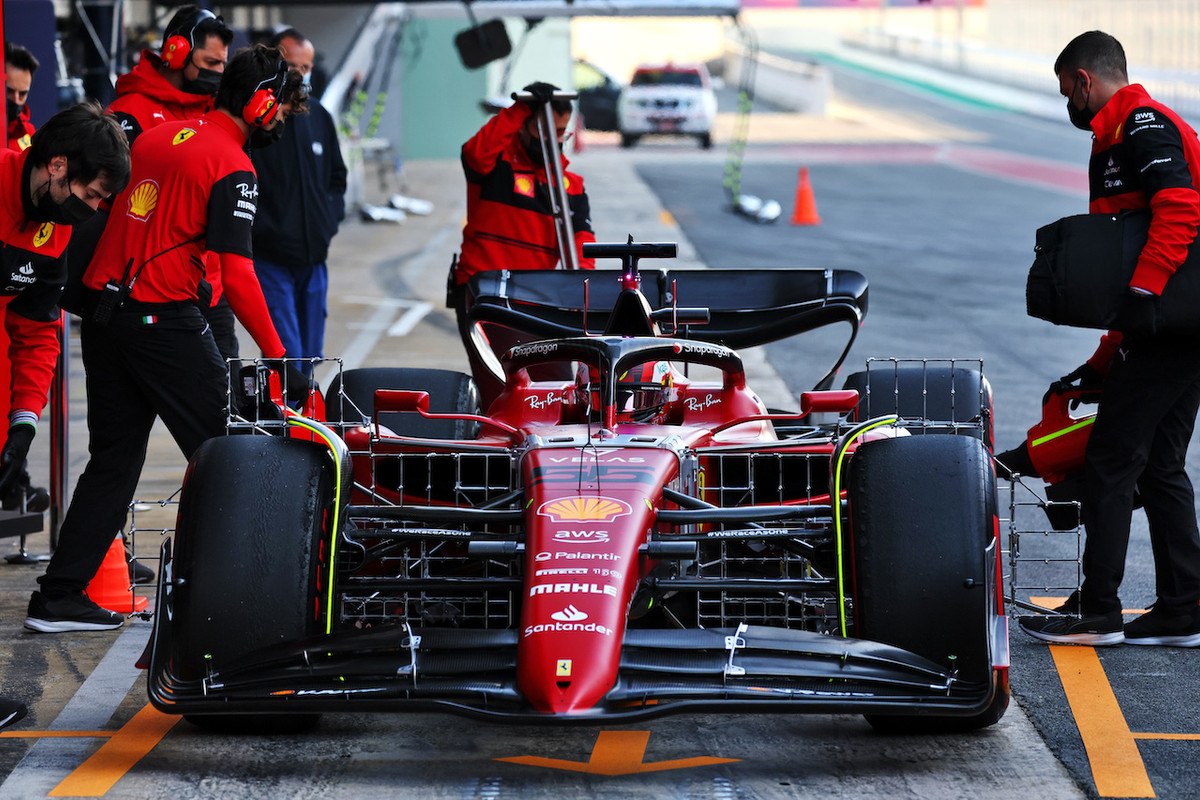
(23, 142)
(183, 136)
(43, 234)
(143, 199)
(523, 185)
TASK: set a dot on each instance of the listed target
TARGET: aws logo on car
(581, 537)
(584, 509)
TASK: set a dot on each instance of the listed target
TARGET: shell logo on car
(584, 509)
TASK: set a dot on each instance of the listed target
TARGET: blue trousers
(296, 299)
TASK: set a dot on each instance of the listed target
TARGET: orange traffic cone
(805, 212)
(111, 587)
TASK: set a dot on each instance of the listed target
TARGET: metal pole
(59, 448)
(552, 160)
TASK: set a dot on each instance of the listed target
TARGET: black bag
(1082, 267)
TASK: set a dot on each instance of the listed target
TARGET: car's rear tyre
(629, 139)
(247, 565)
(705, 140)
(449, 393)
(938, 392)
(922, 535)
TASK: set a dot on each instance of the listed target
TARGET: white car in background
(672, 99)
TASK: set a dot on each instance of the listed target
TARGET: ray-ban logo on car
(569, 614)
(584, 509)
(583, 537)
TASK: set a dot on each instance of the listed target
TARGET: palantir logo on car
(569, 614)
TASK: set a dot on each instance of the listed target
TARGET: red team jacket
(20, 130)
(145, 99)
(32, 271)
(509, 225)
(1145, 156)
(193, 189)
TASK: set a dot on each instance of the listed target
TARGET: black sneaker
(11, 711)
(71, 613)
(139, 573)
(1070, 605)
(1094, 629)
(1165, 628)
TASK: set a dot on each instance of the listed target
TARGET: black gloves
(296, 385)
(542, 92)
(1089, 380)
(1138, 315)
(12, 457)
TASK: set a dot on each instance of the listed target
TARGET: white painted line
(410, 318)
(51, 760)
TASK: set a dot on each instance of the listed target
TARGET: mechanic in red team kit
(147, 350)
(178, 82)
(1143, 156)
(509, 221)
(19, 68)
(78, 158)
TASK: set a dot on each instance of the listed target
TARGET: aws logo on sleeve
(183, 136)
(43, 234)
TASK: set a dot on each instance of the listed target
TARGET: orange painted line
(1192, 737)
(617, 753)
(136, 738)
(1117, 766)
(55, 734)
(1052, 603)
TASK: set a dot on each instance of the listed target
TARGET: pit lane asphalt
(382, 279)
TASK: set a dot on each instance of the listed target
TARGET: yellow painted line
(55, 734)
(665, 218)
(94, 777)
(1052, 603)
(1117, 766)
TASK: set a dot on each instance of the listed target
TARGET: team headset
(178, 47)
(263, 105)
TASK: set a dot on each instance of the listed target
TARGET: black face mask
(533, 149)
(72, 211)
(206, 82)
(14, 110)
(1080, 118)
(261, 137)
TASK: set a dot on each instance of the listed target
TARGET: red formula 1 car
(647, 538)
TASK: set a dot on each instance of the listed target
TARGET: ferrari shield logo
(584, 509)
(563, 670)
(43, 234)
(183, 136)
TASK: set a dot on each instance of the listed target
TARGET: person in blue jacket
(301, 183)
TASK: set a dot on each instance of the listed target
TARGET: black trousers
(1140, 439)
(151, 361)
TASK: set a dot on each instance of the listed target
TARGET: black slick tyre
(247, 563)
(939, 392)
(923, 554)
(450, 392)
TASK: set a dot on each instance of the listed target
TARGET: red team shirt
(32, 272)
(193, 189)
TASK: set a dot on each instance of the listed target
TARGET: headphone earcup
(175, 51)
(261, 109)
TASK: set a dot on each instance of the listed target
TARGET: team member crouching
(147, 350)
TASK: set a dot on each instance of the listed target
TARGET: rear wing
(745, 307)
